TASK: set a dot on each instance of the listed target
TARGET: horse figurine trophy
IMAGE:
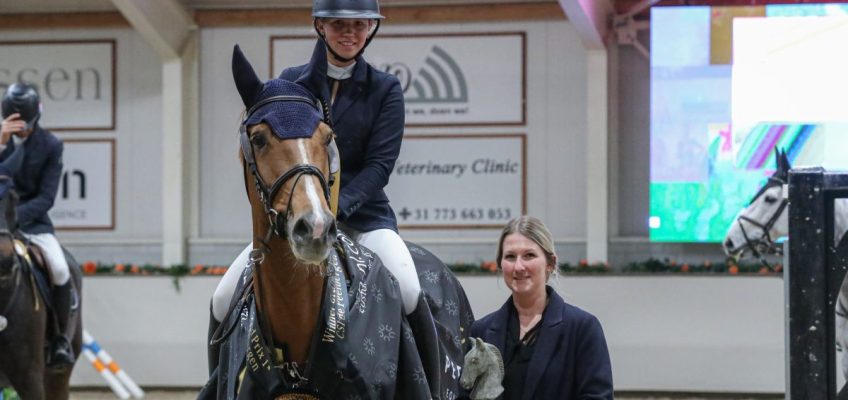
(483, 371)
(317, 316)
(26, 317)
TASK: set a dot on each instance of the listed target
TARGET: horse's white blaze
(312, 194)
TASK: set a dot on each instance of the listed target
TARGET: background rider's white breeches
(386, 243)
(395, 256)
(227, 287)
(53, 256)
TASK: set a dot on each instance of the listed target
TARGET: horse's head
(288, 154)
(483, 370)
(9, 261)
(765, 219)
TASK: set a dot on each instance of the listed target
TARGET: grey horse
(767, 218)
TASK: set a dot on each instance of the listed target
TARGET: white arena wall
(665, 333)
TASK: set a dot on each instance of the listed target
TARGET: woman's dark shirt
(518, 355)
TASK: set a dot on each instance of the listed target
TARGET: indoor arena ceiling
(621, 6)
(54, 6)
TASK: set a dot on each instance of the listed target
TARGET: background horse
(24, 317)
(317, 315)
(766, 219)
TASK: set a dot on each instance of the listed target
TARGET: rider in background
(36, 182)
(367, 112)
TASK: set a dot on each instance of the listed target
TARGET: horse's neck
(289, 297)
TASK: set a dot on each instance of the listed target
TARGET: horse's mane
(494, 352)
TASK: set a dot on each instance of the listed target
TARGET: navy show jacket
(368, 117)
(570, 358)
(37, 179)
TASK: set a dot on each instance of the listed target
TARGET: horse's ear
(785, 160)
(479, 343)
(779, 160)
(247, 82)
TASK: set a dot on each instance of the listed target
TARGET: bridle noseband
(764, 245)
(266, 193)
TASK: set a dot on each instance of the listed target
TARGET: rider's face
(345, 36)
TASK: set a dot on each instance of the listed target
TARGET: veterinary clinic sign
(86, 196)
(76, 80)
(459, 181)
(444, 83)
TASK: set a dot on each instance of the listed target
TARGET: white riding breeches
(386, 243)
(227, 287)
(392, 251)
(53, 256)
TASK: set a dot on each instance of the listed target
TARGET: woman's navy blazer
(570, 358)
(368, 116)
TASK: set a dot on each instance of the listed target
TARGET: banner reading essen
(444, 83)
(459, 181)
(86, 196)
(76, 80)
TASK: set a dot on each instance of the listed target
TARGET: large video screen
(728, 86)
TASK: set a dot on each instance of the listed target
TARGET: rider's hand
(13, 124)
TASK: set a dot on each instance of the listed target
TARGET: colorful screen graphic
(728, 85)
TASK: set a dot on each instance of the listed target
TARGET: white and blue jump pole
(120, 383)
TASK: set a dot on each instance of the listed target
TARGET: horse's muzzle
(312, 235)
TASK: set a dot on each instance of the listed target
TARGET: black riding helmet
(346, 9)
(23, 99)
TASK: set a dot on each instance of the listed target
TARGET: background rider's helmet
(23, 99)
(367, 9)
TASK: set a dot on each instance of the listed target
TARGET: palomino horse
(24, 317)
(317, 315)
(766, 219)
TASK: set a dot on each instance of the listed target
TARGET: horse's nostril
(332, 231)
(728, 243)
(301, 228)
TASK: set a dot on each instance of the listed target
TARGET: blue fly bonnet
(288, 108)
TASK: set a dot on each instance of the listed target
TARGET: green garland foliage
(651, 266)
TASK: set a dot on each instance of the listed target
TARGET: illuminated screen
(728, 85)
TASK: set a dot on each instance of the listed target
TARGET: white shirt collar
(339, 73)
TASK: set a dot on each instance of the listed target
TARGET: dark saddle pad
(35, 265)
(32, 262)
(365, 347)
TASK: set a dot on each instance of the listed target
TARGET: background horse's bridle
(266, 193)
(764, 245)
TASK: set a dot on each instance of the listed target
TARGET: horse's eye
(770, 199)
(258, 141)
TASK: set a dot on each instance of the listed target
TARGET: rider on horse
(365, 108)
(36, 182)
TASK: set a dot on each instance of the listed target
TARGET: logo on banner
(85, 197)
(440, 81)
(75, 80)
